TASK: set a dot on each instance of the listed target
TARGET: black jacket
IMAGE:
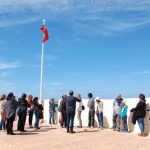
(140, 109)
(71, 103)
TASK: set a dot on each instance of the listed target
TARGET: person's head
(3, 97)
(123, 102)
(79, 96)
(64, 96)
(90, 95)
(98, 100)
(119, 97)
(35, 100)
(24, 96)
(10, 96)
(30, 97)
(52, 100)
(142, 97)
(71, 93)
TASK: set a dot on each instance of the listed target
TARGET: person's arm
(77, 99)
(137, 107)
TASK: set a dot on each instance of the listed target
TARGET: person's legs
(68, 121)
(72, 121)
(53, 117)
(89, 119)
(0, 124)
(50, 118)
(92, 118)
(125, 125)
(79, 118)
(30, 118)
(4, 124)
(141, 124)
(7, 126)
(118, 122)
(36, 120)
(19, 122)
(101, 120)
(114, 121)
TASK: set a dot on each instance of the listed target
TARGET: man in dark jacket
(70, 109)
(62, 110)
(22, 112)
(140, 113)
(10, 113)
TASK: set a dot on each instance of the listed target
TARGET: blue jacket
(11, 106)
(124, 110)
(52, 107)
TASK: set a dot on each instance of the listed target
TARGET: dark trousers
(70, 120)
(64, 120)
(9, 125)
(30, 117)
(21, 121)
(91, 119)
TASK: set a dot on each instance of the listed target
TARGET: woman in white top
(79, 111)
(99, 112)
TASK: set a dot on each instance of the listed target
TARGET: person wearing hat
(99, 112)
(123, 116)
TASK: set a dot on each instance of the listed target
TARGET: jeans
(116, 121)
(70, 120)
(79, 118)
(141, 124)
(100, 119)
(51, 118)
(125, 125)
(36, 125)
(91, 118)
(2, 125)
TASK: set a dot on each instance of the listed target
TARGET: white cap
(97, 99)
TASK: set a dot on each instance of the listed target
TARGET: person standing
(10, 113)
(99, 112)
(91, 105)
(52, 111)
(22, 112)
(3, 112)
(35, 108)
(79, 111)
(140, 111)
(123, 116)
(117, 104)
(62, 110)
(70, 109)
(30, 111)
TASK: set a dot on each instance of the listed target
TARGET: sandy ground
(55, 138)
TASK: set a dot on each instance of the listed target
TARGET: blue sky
(95, 46)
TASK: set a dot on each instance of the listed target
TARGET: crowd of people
(67, 109)
(9, 107)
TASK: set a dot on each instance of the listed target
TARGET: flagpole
(42, 65)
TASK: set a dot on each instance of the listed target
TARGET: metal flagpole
(42, 64)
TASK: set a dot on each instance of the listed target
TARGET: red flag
(45, 31)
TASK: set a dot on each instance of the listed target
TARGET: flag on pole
(45, 31)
